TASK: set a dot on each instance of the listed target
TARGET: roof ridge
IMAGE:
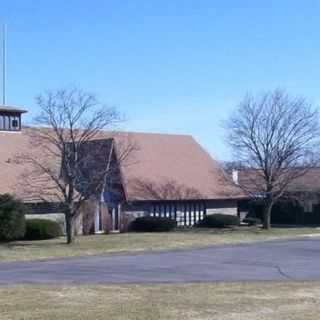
(122, 132)
(150, 133)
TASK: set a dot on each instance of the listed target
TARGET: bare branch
(76, 155)
(277, 136)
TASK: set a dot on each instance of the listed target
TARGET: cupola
(10, 118)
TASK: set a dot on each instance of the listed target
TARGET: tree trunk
(267, 215)
(70, 229)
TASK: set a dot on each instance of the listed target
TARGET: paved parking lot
(273, 260)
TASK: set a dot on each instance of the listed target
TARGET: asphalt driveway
(273, 260)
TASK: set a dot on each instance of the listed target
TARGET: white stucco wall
(222, 206)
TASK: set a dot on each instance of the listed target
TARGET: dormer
(10, 118)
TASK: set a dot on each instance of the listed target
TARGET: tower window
(14, 123)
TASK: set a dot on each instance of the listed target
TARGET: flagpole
(4, 63)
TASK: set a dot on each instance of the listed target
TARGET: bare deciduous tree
(73, 163)
(277, 136)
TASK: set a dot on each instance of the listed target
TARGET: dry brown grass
(133, 242)
(235, 301)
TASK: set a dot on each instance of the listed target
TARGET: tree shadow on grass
(34, 243)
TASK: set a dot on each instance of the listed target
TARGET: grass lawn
(236, 301)
(134, 242)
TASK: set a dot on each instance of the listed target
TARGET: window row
(185, 213)
(9, 123)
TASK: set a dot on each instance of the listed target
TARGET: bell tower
(10, 118)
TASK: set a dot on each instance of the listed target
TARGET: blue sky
(174, 66)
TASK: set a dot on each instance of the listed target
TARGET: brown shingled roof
(14, 169)
(161, 160)
(309, 181)
(10, 144)
(175, 162)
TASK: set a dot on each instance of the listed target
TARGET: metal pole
(4, 64)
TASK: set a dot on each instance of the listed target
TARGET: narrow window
(151, 210)
(168, 210)
(14, 123)
(6, 120)
(187, 214)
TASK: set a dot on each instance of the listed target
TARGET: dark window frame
(192, 211)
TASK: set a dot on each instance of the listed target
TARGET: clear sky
(173, 66)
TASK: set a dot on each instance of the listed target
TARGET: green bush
(41, 229)
(12, 218)
(218, 221)
(153, 224)
(251, 221)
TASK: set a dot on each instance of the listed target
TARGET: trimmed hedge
(12, 218)
(252, 221)
(42, 229)
(153, 224)
(218, 221)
